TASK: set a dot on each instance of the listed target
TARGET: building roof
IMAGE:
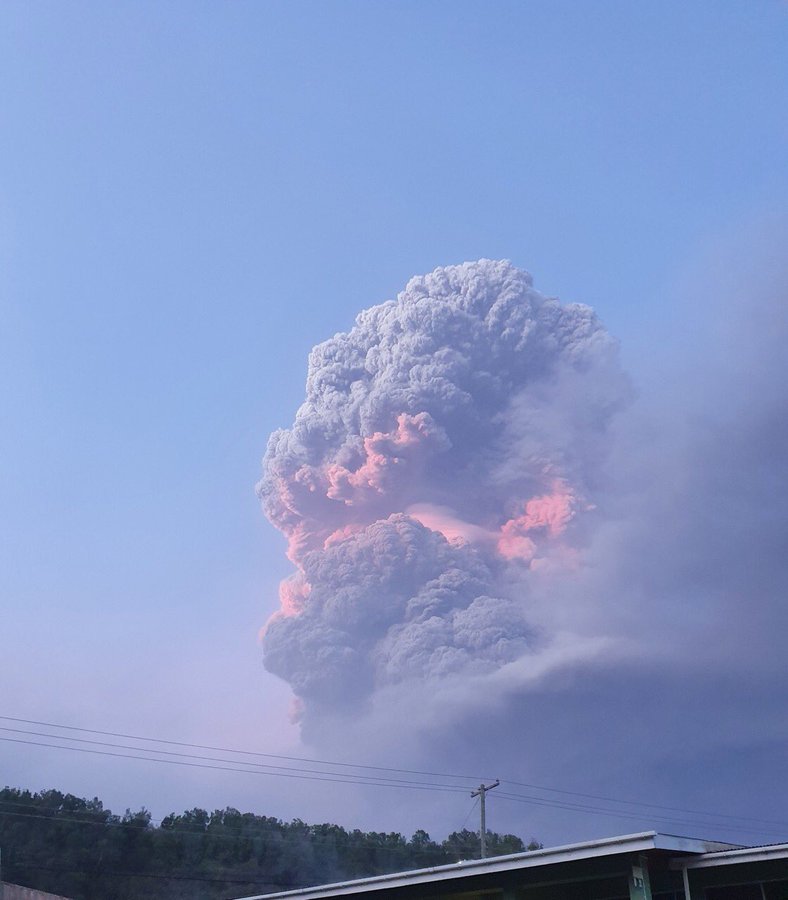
(629, 843)
(10, 891)
(732, 857)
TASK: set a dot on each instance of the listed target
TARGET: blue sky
(193, 195)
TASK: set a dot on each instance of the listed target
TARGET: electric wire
(235, 838)
(536, 801)
(470, 811)
(537, 787)
(242, 752)
(101, 873)
(635, 803)
(378, 780)
(646, 817)
(358, 779)
(230, 768)
(116, 822)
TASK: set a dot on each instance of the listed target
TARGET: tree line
(76, 847)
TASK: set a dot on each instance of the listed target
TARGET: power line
(646, 817)
(242, 752)
(470, 812)
(537, 801)
(295, 839)
(276, 837)
(372, 781)
(698, 812)
(394, 782)
(179, 762)
(101, 873)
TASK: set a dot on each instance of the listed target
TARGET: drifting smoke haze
(479, 508)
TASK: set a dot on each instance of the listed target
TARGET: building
(646, 866)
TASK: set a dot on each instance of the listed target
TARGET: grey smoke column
(445, 456)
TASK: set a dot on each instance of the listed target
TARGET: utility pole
(480, 793)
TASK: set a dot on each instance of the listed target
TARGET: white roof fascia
(732, 857)
(629, 843)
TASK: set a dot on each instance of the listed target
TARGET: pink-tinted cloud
(546, 516)
(446, 522)
(293, 594)
(423, 429)
(390, 458)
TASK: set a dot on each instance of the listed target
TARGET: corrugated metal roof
(629, 843)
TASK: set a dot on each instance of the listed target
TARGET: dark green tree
(75, 847)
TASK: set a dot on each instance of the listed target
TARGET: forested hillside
(75, 847)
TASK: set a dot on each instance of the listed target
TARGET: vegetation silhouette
(77, 848)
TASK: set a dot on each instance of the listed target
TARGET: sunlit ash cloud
(443, 465)
(505, 560)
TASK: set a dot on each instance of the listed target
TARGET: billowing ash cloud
(446, 459)
(503, 566)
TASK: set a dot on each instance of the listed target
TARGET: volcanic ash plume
(444, 460)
